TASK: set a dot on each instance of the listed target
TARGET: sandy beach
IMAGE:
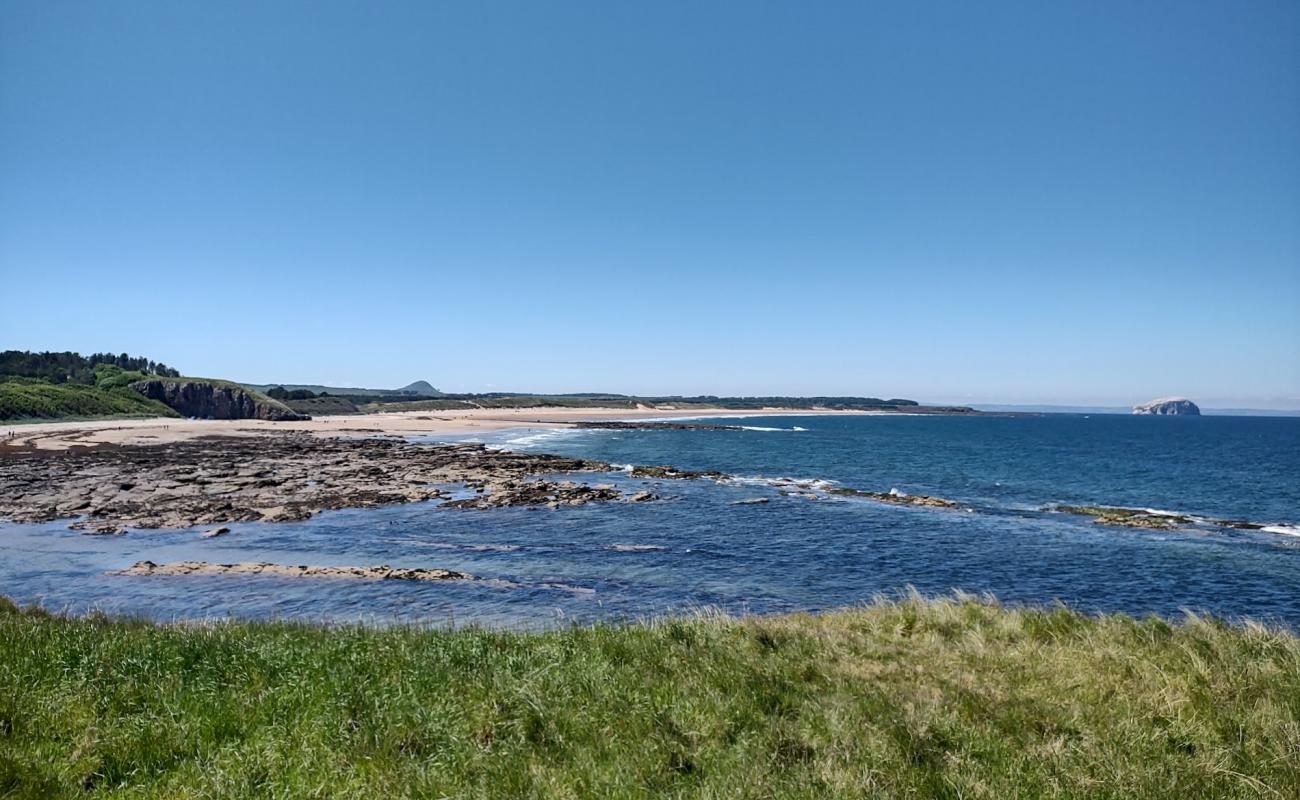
(161, 430)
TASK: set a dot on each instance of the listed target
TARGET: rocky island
(1169, 406)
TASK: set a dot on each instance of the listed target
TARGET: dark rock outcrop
(895, 497)
(1169, 406)
(214, 400)
(1126, 517)
(381, 573)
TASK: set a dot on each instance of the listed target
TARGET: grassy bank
(915, 699)
(29, 399)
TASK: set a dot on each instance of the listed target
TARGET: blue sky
(1089, 202)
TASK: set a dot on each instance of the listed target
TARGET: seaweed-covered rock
(1126, 517)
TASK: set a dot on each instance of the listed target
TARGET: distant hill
(419, 388)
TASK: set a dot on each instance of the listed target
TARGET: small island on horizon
(1169, 407)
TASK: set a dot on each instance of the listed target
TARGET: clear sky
(1082, 202)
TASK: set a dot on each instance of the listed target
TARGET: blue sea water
(701, 546)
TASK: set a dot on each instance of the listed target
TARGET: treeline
(282, 394)
(75, 368)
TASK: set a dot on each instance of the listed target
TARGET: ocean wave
(635, 548)
(476, 548)
(1285, 530)
(531, 437)
(722, 419)
(779, 482)
(564, 587)
(1158, 512)
(1125, 516)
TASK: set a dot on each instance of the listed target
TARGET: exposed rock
(666, 471)
(1169, 406)
(753, 501)
(215, 532)
(384, 573)
(214, 400)
(101, 529)
(284, 514)
(1239, 524)
(895, 497)
(552, 494)
(220, 480)
(1126, 517)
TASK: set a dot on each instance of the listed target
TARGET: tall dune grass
(955, 697)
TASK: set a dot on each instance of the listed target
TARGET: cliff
(1168, 406)
(209, 399)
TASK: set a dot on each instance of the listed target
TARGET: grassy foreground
(941, 698)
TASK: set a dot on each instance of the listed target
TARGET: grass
(28, 399)
(951, 698)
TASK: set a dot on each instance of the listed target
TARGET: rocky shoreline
(215, 481)
(286, 477)
(276, 478)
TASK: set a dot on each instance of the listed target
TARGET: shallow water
(698, 549)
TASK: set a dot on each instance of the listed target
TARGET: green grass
(27, 399)
(948, 698)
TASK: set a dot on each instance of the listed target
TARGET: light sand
(62, 435)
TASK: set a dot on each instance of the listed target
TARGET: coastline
(63, 435)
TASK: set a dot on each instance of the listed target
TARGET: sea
(771, 537)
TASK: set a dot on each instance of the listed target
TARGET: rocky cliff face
(1169, 406)
(207, 399)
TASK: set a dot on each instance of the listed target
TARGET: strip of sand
(162, 430)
